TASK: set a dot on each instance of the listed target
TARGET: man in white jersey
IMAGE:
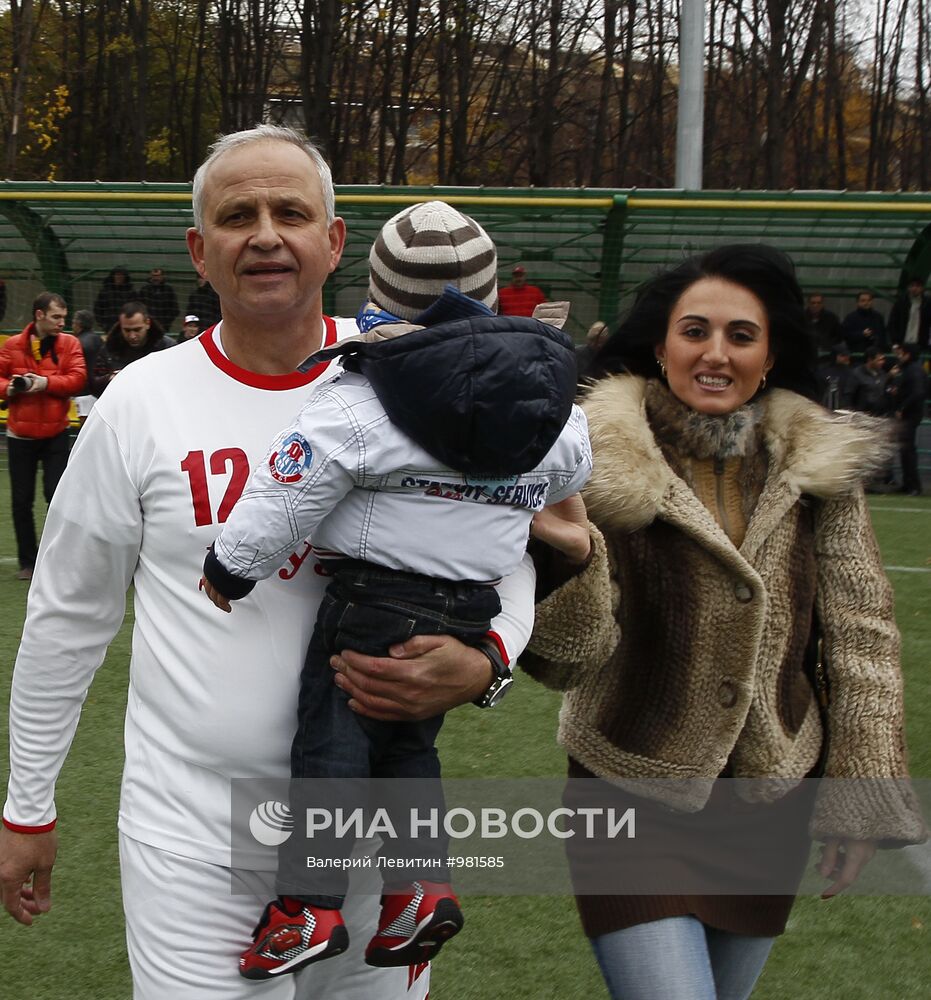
(167, 467)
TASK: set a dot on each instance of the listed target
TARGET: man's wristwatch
(502, 679)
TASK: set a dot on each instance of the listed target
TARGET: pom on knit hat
(425, 248)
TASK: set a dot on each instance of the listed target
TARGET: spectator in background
(190, 328)
(518, 298)
(836, 380)
(40, 370)
(864, 327)
(585, 353)
(911, 393)
(133, 336)
(823, 324)
(910, 319)
(2, 299)
(204, 303)
(116, 289)
(160, 299)
(869, 384)
(82, 327)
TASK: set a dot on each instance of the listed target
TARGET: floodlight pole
(691, 119)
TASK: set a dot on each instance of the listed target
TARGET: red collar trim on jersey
(293, 380)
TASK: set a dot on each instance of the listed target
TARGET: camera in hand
(18, 383)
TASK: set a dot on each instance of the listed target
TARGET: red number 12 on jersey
(195, 466)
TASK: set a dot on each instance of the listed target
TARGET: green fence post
(612, 253)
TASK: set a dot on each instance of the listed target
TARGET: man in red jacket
(518, 298)
(40, 370)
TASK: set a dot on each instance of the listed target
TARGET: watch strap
(502, 677)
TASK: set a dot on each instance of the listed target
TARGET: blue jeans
(680, 958)
(368, 608)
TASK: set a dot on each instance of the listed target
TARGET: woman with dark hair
(728, 531)
(117, 288)
(763, 270)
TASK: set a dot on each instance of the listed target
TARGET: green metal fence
(592, 247)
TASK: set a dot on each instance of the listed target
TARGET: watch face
(502, 678)
(497, 691)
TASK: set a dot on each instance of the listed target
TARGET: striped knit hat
(425, 248)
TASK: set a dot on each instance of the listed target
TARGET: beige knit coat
(682, 654)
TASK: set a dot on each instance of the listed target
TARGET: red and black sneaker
(291, 935)
(415, 923)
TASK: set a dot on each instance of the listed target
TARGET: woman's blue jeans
(679, 958)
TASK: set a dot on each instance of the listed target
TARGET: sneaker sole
(337, 944)
(431, 934)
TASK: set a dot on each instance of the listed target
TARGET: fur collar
(679, 428)
(812, 450)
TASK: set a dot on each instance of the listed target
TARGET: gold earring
(662, 367)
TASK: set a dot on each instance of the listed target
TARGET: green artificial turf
(77, 950)
(841, 949)
(523, 948)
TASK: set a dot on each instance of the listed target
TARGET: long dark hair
(763, 270)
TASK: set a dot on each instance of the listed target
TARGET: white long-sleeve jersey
(345, 476)
(155, 472)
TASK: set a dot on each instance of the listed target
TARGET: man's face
(815, 304)
(135, 328)
(52, 320)
(266, 247)
(915, 289)
(190, 330)
(865, 301)
(156, 275)
(518, 279)
(876, 364)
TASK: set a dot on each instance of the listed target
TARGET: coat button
(727, 694)
(743, 593)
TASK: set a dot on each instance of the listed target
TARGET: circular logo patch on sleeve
(289, 463)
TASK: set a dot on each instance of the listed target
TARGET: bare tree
(891, 21)
(319, 32)
(24, 22)
(605, 91)
(249, 47)
(922, 118)
(545, 92)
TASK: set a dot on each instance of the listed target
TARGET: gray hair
(263, 133)
(83, 318)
